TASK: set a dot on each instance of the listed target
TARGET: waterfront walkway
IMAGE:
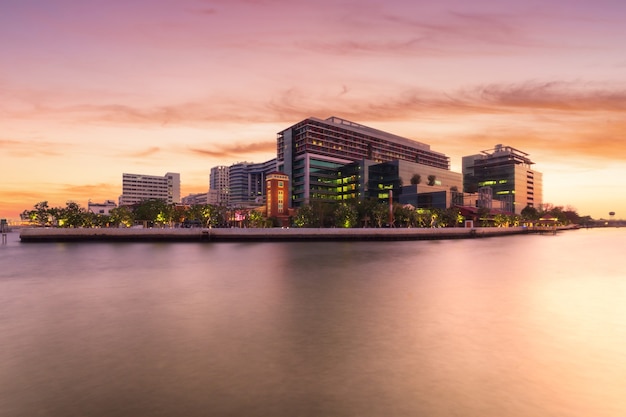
(275, 234)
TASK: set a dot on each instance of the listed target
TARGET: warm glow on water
(514, 326)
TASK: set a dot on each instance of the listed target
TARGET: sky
(91, 89)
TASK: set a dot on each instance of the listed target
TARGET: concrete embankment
(242, 235)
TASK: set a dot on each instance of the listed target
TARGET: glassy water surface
(506, 326)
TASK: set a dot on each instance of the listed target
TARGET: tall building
(219, 186)
(311, 152)
(247, 182)
(507, 171)
(276, 187)
(140, 187)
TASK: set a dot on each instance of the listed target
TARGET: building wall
(277, 192)
(140, 187)
(101, 208)
(247, 182)
(219, 186)
(395, 175)
(311, 151)
(507, 171)
(195, 199)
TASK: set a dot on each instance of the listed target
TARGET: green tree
(432, 179)
(152, 212)
(423, 217)
(416, 179)
(345, 215)
(380, 213)
(530, 214)
(73, 215)
(40, 215)
(306, 217)
(256, 220)
(121, 216)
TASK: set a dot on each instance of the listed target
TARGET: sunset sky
(90, 89)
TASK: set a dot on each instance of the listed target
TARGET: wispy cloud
(223, 151)
(26, 148)
(144, 153)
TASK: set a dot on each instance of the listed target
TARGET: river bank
(276, 234)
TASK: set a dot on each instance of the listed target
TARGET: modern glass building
(507, 171)
(396, 176)
(313, 151)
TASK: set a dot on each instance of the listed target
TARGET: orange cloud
(236, 150)
(25, 148)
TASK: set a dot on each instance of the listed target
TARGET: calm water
(511, 326)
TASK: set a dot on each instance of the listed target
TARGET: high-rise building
(247, 182)
(507, 171)
(311, 152)
(219, 186)
(139, 187)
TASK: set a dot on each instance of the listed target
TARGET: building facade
(276, 191)
(247, 183)
(312, 152)
(507, 172)
(101, 208)
(398, 176)
(219, 186)
(198, 199)
(139, 187)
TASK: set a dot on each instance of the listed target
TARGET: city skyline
(92, 90)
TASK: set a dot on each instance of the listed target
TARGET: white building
(198, 199)
(140, 187)
(219, 186)
(101, 208)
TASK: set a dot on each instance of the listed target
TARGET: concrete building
(139, 187)
(219, 186)
(507, 171)
(312, 151)
(197, 199)
(247, 183)
(398, 175)
(101, 208)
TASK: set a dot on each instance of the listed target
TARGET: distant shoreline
(29, 235)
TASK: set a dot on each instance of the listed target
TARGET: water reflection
(512, 326)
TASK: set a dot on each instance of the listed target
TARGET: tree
(345, 215)
(432, 179)
(152, 212)
(306, 217)
(73, 215)
(530, 213)
(416, 179)
(121, 216)
(256, 220)
(41, 214)
(380, 213)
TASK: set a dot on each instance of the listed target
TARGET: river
(514, 326)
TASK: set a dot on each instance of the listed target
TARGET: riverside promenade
(29, 235)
